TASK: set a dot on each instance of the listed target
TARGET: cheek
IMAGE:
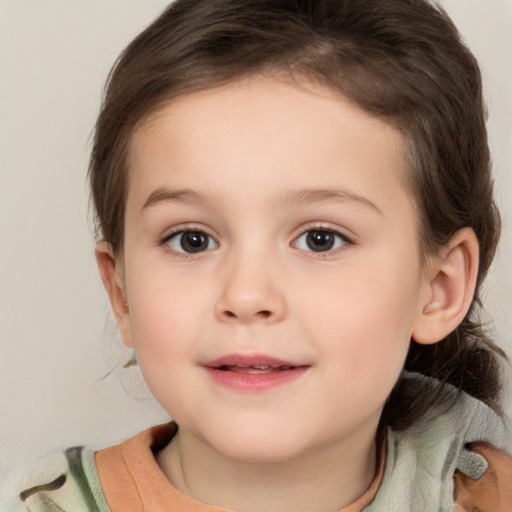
(166, 317)
(164, 330)
(363, 317)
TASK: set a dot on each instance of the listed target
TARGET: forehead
(267, 130)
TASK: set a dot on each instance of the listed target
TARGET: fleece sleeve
(67, 482)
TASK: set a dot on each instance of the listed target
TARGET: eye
(191, 242)
(320, 240)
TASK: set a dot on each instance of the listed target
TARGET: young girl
(295, 217)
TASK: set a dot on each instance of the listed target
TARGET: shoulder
(464, 443)
(64, 481)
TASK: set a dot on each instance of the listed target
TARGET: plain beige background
(57, 341)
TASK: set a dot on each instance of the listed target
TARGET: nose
(250, 293)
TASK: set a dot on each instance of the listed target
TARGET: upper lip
(247, 360)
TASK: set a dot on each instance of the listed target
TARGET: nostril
(263, 314)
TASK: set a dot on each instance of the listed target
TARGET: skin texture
(239, 163)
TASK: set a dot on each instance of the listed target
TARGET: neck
(326, 480)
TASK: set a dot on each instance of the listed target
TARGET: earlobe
(111, 277)
(450, 288)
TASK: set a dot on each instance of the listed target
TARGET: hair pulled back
(400, 60)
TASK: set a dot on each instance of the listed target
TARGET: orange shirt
(132, 480)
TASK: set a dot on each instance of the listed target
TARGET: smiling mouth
(253, 373)
(250, 363)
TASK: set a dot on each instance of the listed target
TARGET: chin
(263, 446)
(261, 454)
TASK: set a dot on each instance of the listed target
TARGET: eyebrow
(164, 195)
(308, 196)
(300, 196)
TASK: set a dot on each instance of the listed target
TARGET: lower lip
(254, 382)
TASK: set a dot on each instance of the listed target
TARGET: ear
(112, 276)
(450, 286)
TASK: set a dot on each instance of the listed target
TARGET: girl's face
(271, 267)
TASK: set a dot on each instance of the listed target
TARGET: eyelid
(347, 240)
(164, 240)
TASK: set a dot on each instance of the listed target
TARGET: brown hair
(400, 60)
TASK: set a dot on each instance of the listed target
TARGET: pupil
(319, 241)
(194, 241)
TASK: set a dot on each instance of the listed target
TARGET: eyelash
(318, 228)
(345, 240)
(165, 241)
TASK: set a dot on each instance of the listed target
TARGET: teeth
(254, 369)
